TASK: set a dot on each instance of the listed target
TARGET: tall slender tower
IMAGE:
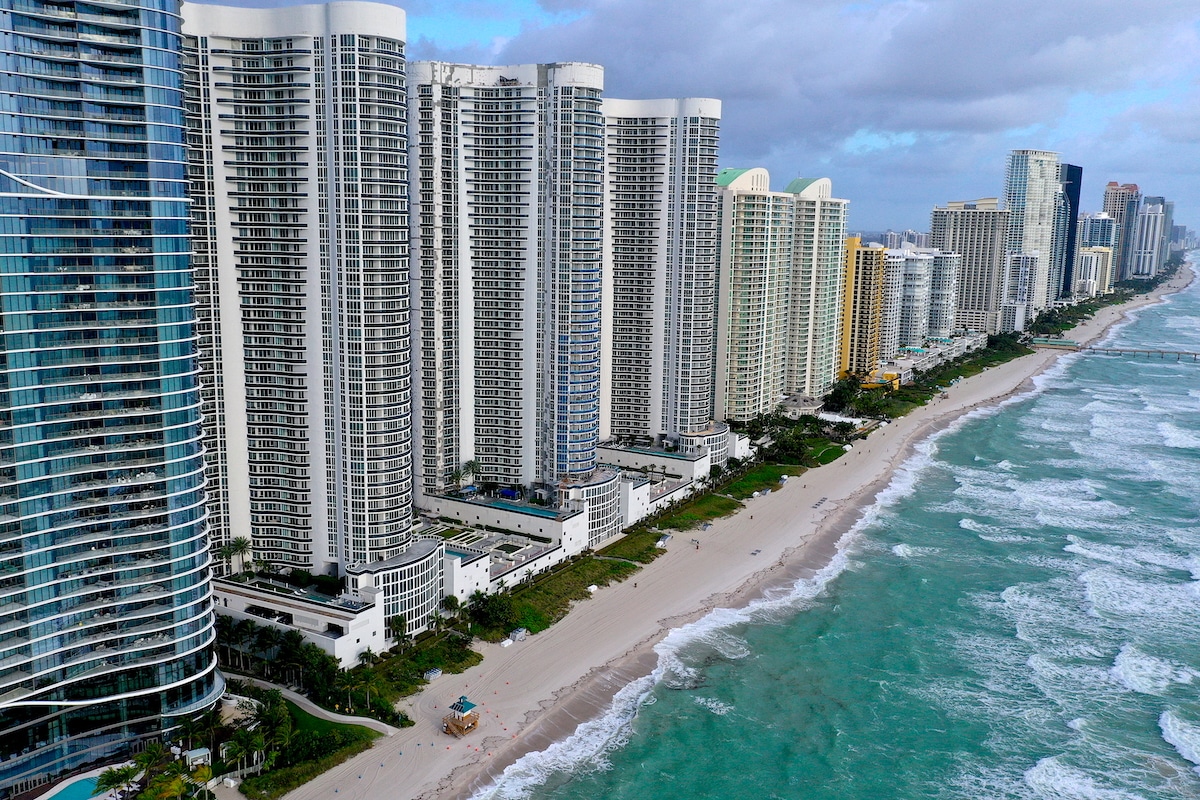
(757, 229)
(815, 287)
(1121, 202)
(1071, 178)
(863, 302)
(105, 622)
(661, 250)
(1032, 195)
(298, 147)
(507, 221)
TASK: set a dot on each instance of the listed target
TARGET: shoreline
(569, 674)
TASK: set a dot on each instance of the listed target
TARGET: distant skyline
(904, 104)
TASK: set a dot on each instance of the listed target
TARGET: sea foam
(1184, 736)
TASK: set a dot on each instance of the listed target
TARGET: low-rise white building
(344, 627)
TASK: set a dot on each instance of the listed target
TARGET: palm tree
(366, 658)
(398, 628)
(239, 548)
(200, 776)
(451, 605)
(267, 642)
(346, 681)
(118, 778)
(470, 469)
(150, 761)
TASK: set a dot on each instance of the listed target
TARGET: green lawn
(638, 545)
(696, 512)
(307, 722)
(547, 600)
(763, 476)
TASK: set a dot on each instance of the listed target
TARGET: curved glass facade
(105, 610)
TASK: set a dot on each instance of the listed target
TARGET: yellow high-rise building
(862, 317)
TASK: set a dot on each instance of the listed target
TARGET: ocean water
(1018, 616)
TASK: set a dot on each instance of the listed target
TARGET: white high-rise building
(943, 293)
(508, 267)
(915, 295)
(894, 268)
(1148, 248)
(661, 224)
(977, 232)
(1020, 277)
(815, 287)
(297, 147)
(757, 230)
(1033, 195)
(1094, 275)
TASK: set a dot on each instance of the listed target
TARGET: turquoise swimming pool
(76, 790)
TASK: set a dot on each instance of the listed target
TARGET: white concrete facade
(977, 231)
(815, 286)
(296, 124)
(1033, 194)
(757, 229)
(507, 221)
(661, 224)
(1094, 273)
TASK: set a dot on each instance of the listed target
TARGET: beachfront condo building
(894, 268)
(1148, 250)
(1097, 230)
(916, 290)
(509, 281)
(297, 142)
(863, 303)
(1033, 196)
(1020, 277)
(815, 288)
(943, 293)
(1070, 177)
(779, 296)
(976, 231)
(300, 222)
(1094, 271)
(1121, 202)
(106, 622)
(757, 229)
(660, 236)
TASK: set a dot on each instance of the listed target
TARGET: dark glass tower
(105, 610)
(1072, 179)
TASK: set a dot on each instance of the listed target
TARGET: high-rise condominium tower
(1148, 250)
(1067, 229)
(507, 221)
(943, 293)
(815, 287)
(661, 246)
(862, 317)
(1032, 194)
(105, 614)
(297, 135)
(1097, 230)
(757, 229)
(1121, 202)
(976, 231)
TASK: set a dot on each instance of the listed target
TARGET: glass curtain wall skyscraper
(105, 612)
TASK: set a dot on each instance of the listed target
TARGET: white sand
(536, 692)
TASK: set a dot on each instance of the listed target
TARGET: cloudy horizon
(904, 104)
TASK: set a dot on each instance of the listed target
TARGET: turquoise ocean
(1018, 616)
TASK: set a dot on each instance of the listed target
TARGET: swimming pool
(78, 789)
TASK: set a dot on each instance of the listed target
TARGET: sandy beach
(537, 692)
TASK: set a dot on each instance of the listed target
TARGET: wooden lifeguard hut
(462, 719)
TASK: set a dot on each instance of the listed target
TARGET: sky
(904, 104)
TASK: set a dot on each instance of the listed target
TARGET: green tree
(118, 778)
